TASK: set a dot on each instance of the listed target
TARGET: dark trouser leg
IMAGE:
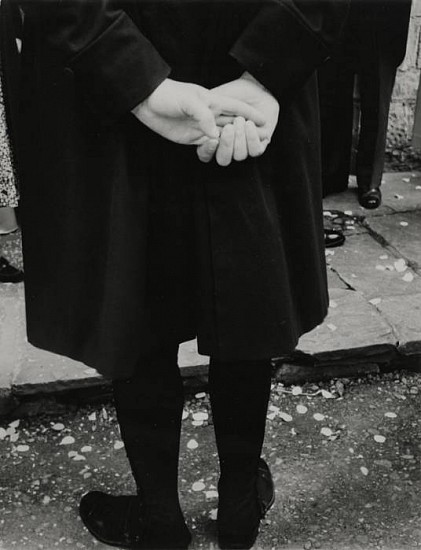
(239, 393)
(336, 86)
(149, 409)
(376, 80)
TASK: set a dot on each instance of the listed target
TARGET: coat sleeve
(288, 39)
(113, 63)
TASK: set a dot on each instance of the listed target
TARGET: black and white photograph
(210, 274)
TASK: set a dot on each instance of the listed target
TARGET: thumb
(195, 108)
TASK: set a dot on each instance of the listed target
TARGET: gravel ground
(345, 457)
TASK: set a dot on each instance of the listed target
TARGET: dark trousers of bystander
(372, 47)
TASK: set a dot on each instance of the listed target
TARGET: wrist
(248, 76)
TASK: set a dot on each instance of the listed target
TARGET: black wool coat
(128, 238)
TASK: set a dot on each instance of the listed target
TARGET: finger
(264, 132)
(224, 105)
(254, 146)
(197, 109)
(226, 146)
(223, 120)
(207, 150)
(240, 142)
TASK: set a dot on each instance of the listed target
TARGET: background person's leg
(336, 87)
(376, 86)
(239, 393)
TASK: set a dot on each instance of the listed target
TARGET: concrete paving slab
(403, 232)
(8, 342)
(366, 266)
(334, 281)
(402, 191)
(403, 313)
(352, 328)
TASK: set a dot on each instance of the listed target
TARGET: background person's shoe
(333, 237)
(8, 273)
(370, 199)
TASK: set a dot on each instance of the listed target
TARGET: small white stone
(86, 449)
(400, 265)
(319, 417)
(200, 395)
(68, 440)
(408, 277)
(375, 301)
(192, 444)
(379, 438)
(326, 432)
(198, 486)
(404, 224)
(79, 458)
(301, 409)
(200, 416)
(211, 494)
(22, 448)
(364, 470)
(118, 445)
(297, 390)
(57, 427)
(285, 416)
(390, 415)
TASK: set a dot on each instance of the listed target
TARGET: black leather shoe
(265, 490)
(370, 199)
(122, 521)
(333, 238)
(8, 273)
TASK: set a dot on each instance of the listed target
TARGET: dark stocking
(239, 393)
(149, 409)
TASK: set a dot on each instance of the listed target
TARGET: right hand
(187, 113)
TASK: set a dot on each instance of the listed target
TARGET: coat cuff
(279, 50)
(118, 70)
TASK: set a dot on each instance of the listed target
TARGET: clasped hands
(233, 121)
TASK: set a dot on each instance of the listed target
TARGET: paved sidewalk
(374, 320)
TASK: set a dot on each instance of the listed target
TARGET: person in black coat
(147, 247)
(371, 48)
